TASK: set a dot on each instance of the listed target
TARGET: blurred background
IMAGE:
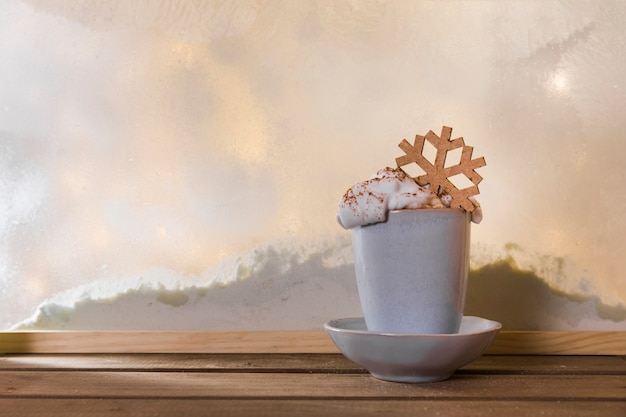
(178, 164)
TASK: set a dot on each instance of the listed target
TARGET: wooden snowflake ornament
(438, 174)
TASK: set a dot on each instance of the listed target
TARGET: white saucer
(412, 357)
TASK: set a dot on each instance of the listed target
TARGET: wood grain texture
(560, 343)
(292, 363)
(187, 362)
(302, 385)
(305, 408)
(296, 341)
(236, 386)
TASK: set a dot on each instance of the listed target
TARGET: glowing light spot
(559, 82)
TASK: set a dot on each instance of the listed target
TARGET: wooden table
(302, 385)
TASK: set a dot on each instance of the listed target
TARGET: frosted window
(178, 164)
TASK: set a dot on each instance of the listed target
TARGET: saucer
(412, 357)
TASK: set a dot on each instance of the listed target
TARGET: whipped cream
(369, 201)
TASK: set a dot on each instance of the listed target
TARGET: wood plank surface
(189, 362)
(293, 341)
(306, 408)
(187, 385)
(311, 363)
(547, 365)
(303, 385)
(560, 343)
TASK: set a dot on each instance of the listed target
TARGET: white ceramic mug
(412, 270)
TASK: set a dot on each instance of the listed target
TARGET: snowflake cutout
(437, 174)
